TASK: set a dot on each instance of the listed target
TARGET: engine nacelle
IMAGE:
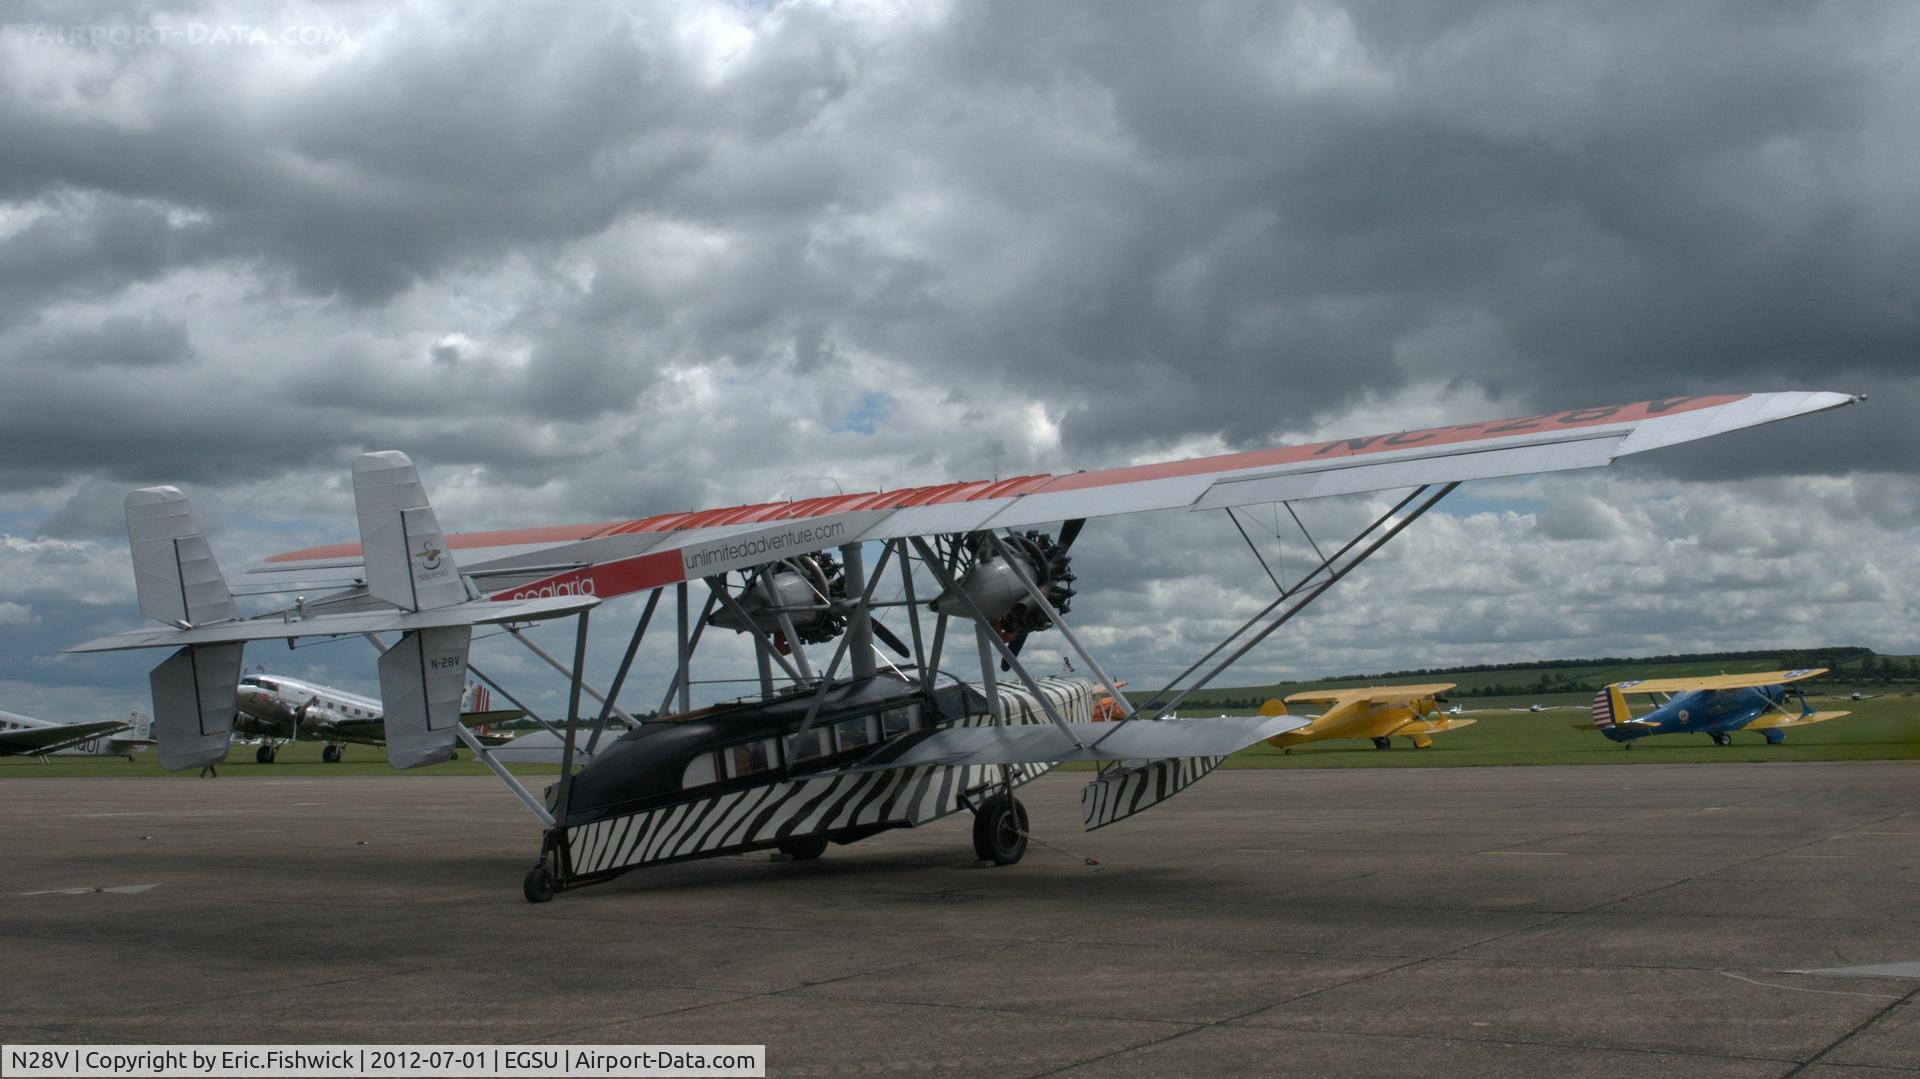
(795, 593)
(993, 584)
(994, 587)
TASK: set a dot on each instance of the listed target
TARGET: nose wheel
(1000, 830)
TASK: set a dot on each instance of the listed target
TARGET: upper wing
(50, 739)
(1040, 743)
(1718, 681)
(1370, 694)
(612, 558)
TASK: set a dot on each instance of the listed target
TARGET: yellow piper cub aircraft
(1375, 712)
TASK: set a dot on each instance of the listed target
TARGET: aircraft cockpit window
(856, 732)
(699, 772)
(814, 743)
(250, 680)
(895, 722)
(749, 758)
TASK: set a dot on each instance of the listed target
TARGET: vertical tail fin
(421, 682)
(174, 571)
(1273, 707)
(179, 582)
(1610, 708)
(407, 560)
(193, 704)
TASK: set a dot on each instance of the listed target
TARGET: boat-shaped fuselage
(744, 777)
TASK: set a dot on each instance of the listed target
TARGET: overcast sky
(585, 264)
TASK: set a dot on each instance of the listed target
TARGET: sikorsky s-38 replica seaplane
(833, 751)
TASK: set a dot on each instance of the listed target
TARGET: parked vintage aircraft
(278, 709)
(831, 753)
(1376, 713)
(26, 736)
(1717, 706)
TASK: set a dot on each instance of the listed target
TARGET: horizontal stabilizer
(488, 718)
(475, 613)
(193, 704)
(1041, 743)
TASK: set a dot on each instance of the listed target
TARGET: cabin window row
(824, 740)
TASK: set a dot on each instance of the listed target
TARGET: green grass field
(1885, 728)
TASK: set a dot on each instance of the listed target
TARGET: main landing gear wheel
(1000, 830)
(332, 754)
(805, 850)
(539, 885)
(1383, 743)
(265, 754)
(1721, 738)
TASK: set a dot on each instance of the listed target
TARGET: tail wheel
(1000, 830)
(805, 849)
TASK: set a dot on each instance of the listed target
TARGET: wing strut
(1059, 623)
(993, 638)
(547, 657)
(1333, 577)
(620, 677)
(840, 650)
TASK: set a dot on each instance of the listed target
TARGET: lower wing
(1435, 726)
(1774, 721)
(1041, 743)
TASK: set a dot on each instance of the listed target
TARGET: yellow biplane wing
(1374, 694)
(1716, 681)
(1777, 720)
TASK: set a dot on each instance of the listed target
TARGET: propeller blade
(1070, 531)
(1019, 641)
(899, 647)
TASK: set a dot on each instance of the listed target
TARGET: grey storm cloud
(590, 261)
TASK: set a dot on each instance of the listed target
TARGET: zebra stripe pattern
(757, 816)
(1120, 794)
